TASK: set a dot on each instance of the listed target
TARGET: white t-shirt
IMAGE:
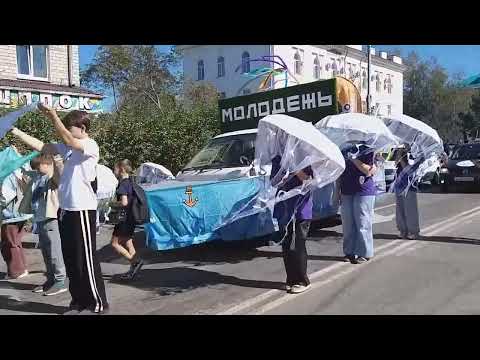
(75, 192)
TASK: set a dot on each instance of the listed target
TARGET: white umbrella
(348, 128)
(424, 141)
(300, 145)
(426, 147)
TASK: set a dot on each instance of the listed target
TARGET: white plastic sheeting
(352, 131)
(423, 143)
(353, 128)
(151, 173)
(298, 146)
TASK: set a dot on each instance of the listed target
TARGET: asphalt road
(436, 275)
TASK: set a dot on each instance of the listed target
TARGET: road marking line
(406, 246)
(264, 296)
(385, 207)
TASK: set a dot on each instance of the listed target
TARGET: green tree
(133, 73)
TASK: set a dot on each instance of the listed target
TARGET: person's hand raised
(46, 110)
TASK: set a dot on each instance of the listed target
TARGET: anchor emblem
(190, 202)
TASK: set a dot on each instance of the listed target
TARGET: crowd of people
(357, 192)
(60, 193)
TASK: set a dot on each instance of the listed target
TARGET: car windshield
(228, 151)
(467, 152)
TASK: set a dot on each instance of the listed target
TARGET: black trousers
(79, 243)
(295, 252)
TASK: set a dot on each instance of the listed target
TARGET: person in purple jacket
(358, 192)
(294, 216)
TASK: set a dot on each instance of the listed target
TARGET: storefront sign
(61, 102)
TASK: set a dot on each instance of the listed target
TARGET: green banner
(310, 102)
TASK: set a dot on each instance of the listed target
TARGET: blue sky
(455, 58)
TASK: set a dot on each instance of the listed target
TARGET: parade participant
(406, 204)
(12, 226)
(294, 215)
(42, 192)
(358, 192)
(78, 206)
(122, 237)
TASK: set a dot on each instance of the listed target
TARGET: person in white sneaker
(12, 226)
(42, 196)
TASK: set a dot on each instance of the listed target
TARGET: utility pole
(368, 78)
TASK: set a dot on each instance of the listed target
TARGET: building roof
(29, 85)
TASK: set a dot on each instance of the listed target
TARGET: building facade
(223, 66)
(46, 73)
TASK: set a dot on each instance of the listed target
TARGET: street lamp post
(368, 79)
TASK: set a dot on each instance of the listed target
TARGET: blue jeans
(407, 214)
(357, 222)
(51, 246)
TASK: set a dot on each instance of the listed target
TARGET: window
(298, 63)
(334, 67)
(246, 91)
(364, 107)
(200, 70)
(364, 79)
(350, 71)
(221, 66)
(389, 109)
(32, 61)
(245, 62)
(316, 68)
(228, 151)
(377, 82)
(389, 84)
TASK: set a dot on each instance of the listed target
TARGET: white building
(223, 65)
(46, 73)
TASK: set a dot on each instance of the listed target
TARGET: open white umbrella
(297, 145)
(426, 147)
(424, 141)
(348, 128)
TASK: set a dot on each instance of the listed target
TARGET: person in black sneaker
(122, 237)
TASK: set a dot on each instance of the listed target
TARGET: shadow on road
(8, 303)
(178, 279)
(440, 239)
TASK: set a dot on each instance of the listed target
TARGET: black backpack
(140, 211)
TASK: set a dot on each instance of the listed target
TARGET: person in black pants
(294, 215)
(78, 210)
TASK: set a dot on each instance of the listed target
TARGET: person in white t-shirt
(78, 208)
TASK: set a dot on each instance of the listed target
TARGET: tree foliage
(432, 96)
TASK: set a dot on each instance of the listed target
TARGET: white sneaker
(298, 288)
(22, 275)
(288, 287)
